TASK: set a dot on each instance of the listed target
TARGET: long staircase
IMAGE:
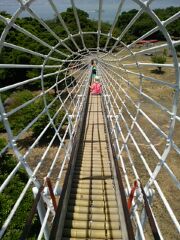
(92, 211)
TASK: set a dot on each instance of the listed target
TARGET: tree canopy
(8, 55)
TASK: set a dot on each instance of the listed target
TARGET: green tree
(161, 59)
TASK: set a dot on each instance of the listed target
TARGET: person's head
(97, 79)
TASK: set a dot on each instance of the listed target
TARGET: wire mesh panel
(45, 71)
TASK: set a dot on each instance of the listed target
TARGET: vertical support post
(79, 101)
(41, 212)
(70, 125)
(143, 216)
(51, 192)
(117, 132)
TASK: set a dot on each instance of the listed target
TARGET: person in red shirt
(96, 87)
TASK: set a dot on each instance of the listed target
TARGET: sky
(43, 9)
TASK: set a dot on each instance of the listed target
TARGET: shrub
(21, 118)
(42, 122)
(161, 59)
(9, 196)
(2, 129)
(3, 143)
